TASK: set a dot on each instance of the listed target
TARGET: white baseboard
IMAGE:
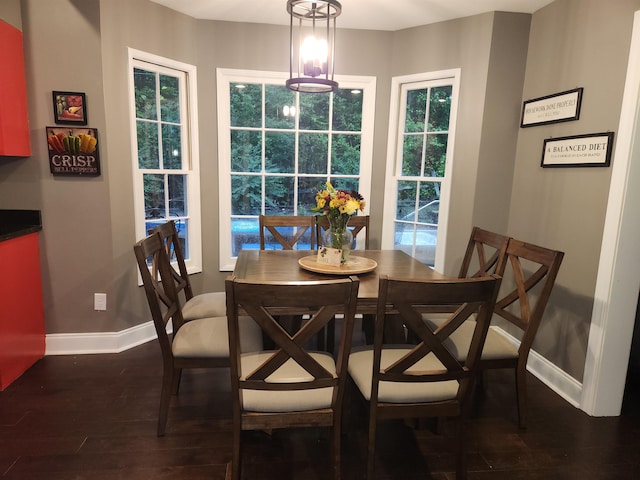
(99, 342)
(551, 375)
(115, 342)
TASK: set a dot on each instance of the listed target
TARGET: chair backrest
(485, 253)
(264, 302)
(431, 360)
(357, 223)
(159, 287)
(529, 266)
(288, 231)
(171, 240)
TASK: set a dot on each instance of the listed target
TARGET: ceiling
(388, 15)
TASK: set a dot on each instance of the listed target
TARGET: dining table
(298, 266)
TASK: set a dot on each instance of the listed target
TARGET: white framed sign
(589, 150)
(559, 107)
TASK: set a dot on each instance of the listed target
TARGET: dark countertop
(15, 223)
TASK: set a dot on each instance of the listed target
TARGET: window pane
(278, 196)
(307, 189)
(245, 234)
(275, 114)
(246, 195)
(147, 145)
(154, 205)
(429, 202)
(279, 152)
(345, 154)
(416, 110)
(177, 195)
(440, 108)
(171, 147)
(347, 110)
(347, 184)
(406, 202)
(183, 236)
(412, 155)
(436, 156)
(425, 245)
(246, 102)
(169, 99)
(145, 94)
(246, 151)
(314, 112)
(312, 153)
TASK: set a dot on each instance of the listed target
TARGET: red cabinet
(14, 114)
(22, 331)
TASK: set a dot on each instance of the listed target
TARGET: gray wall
(504, 58)
(573, 43)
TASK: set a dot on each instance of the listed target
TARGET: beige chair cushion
(209, 337)
(496, 345)
(290, 371)
(205, 305)
(361, 368)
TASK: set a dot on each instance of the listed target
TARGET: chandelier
(312, 45)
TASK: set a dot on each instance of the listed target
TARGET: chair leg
(521, 394)
(165, 399)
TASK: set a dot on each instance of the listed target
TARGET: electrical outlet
(100, 301)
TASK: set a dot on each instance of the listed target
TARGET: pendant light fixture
(312, 38)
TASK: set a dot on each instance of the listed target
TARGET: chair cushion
(361, 368)
(213, 304)
(209, 337)
(496, 346)
(290, 371)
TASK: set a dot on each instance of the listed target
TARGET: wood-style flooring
(94, 417)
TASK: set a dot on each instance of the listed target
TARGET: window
(277, 148)
(421, 146)
(165, 149)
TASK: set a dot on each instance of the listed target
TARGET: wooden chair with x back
(289, 386)
(199, 343)
(287, 232)
(425, 379)
(209, 304)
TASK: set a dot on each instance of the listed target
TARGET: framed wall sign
(69, 108)
(73, 151)
(559, 107)
(590, 150)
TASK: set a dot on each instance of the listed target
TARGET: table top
(282, 265)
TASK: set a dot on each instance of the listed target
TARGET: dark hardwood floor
(94, 417)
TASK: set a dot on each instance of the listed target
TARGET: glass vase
(338, 235)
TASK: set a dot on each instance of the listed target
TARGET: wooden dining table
(283, 265)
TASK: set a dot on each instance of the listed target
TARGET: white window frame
(190, 149)
(224, 79)
(394, 154)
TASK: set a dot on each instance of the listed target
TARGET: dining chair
(204, 305)
(289, 385)
(529, 273)
(357, 223)
(425, 379)
(199, 343)
(288, 232)
(485, 253)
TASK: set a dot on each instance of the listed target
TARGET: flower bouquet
(338, 206)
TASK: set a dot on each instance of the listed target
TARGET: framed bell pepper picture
(69, 108)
